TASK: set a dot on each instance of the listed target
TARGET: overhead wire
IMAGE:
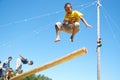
(112, 26)
(82, 7)
(37, 30)
(87, 5)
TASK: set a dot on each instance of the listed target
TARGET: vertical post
(98, 40)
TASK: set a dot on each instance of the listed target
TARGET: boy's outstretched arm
(85, 22)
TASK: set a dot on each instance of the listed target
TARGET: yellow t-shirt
(74, 16)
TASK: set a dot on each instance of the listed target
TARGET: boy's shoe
(57, 40)
(71, 40)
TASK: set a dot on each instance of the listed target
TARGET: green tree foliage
(36, 77)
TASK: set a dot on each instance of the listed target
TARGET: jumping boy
(19, 63)
(71, 23)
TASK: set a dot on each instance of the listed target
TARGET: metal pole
(98, 40)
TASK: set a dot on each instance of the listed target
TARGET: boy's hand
(66, 19)
(89, 26)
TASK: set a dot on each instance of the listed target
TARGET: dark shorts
(1, 73)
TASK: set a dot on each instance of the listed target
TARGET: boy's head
(30, 62)
(68, 7)
(9, 58)
(10, 70)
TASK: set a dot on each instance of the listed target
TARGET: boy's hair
(10, 69)
(68, 4)
(31, 62)
(9, 57)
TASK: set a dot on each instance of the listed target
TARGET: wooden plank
(58, 61)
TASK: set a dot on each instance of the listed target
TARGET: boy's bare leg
(57, 34)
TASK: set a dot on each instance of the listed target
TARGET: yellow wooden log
(58, 61)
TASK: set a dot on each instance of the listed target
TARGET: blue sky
(27, 28)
